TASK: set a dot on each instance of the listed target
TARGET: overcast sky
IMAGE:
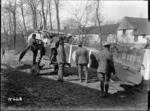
(113, 10)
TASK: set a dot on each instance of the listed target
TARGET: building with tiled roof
(108, 33)
(105, 29)
(134, 30)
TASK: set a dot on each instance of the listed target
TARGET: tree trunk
(10, 23)
(97, 16)
(22, 13)
(34, 19)
(57, 14)
(43, 14)
(34, 16)
(33, 6)
(46, 14)
(50, 16)
(14, 17)
(41, 22)
(6, 35)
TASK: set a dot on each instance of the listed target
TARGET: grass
(38, 92)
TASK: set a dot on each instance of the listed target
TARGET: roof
(143, 30)
(136, 22)
(105, 29)
(141, 25)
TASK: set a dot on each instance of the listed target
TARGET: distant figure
(147, 46)
(82, 60)
(105, 68)
(61, 60)
(3, 54)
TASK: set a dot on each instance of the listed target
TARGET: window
(144, 36)
(124, 31)
(136, 38)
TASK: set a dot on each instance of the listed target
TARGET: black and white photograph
(75, 55)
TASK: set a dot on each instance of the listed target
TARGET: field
(24, 91)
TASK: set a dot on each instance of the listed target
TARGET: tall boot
(79, 72)
(86, 77)
(102, 88)
(106, 89)
(86, 73)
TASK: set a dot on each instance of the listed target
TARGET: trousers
(104, 77)
(60, 71)
(84, 67)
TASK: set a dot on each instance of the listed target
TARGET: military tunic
(106, 65)
(82, 56)
(82, 60)
(61, 60)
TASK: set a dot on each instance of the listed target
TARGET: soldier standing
(61, 60)
(82, 60)
(3, 54)
(54, 46)
(105, 68)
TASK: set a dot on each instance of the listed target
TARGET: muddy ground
(22, 90)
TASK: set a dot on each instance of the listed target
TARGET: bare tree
(99, 20)
(10, 19)
(46, 12)
(11, 8)
(40, 17)
(22, 13)
(33, 4)
(70, 24)
(5, 36)
(82, 16)
(57, 13)
(50, 14)
(43, 14)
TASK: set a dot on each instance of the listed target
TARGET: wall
(111, 38)
(92, 38)
(129, 38)
(141, 40)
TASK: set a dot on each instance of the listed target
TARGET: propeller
(24, 52)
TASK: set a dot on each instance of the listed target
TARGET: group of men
(57, 52)
(105, 59)
(105, 68)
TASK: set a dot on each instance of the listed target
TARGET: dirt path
(12, 60)
(121, 94)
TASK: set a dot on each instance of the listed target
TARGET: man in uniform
(82, 60)
(105, 68)
(35, 46)
(54, 45)
(61, 60)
